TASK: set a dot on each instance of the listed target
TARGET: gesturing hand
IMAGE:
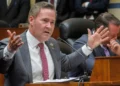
(98, 37)
(14, 41)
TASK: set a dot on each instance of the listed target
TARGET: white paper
(56, 80)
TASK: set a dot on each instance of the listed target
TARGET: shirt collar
(32, 41)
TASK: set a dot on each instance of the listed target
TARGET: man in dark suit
(16, 12)
(65, 10)
(34, 55)
(113, 24)
(90, 9)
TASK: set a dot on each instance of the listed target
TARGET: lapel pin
(51, 44)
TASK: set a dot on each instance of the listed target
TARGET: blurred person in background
(13, 12)
(90, 9)
(113, 24)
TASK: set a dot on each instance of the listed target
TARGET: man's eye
(52, 22)
(45, 20)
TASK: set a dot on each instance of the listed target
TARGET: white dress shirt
(35, 58)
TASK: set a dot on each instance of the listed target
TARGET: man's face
(113, 31)
(43, 25)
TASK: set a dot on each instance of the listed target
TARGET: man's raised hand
(14, 41)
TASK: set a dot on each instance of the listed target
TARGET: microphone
(85, 76)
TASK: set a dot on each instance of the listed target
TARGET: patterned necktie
(52, 2)
(44, 62)
(106, 51)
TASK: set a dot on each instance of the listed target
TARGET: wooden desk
(117, 83)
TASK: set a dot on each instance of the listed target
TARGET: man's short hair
(106, 18)
(35, 9)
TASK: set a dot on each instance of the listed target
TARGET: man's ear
(31, 20)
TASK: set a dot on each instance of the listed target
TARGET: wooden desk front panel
(3, 32)
(117, 83)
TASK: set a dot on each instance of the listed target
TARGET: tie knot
(41, 45)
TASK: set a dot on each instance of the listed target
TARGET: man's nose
(49, 25)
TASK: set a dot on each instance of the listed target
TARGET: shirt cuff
(86, 51)
(7, 54)
(86, 4)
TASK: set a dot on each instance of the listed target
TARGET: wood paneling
(3, 33)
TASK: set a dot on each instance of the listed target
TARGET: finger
(105, 39)
(104, 31)
(114, 44)
(112, 41)
(114, 38)
(9, 33)
(99, 29)
(109, 46)
(21, 43)
(15, 47)
(18, 41)
(15, 39)
(89, 32)
(105, 35)
(12, 35)
(18, 45)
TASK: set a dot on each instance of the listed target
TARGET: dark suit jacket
(65, 10)
(18, 70)
(16, 13)
(91, 58)
(96, 5)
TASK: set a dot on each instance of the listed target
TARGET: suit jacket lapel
(53, 54)
(26, 56)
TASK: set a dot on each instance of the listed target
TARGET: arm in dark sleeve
(23, 13)
(70, 61)
(90, 60)
(74, 59)
(79, 8)
(99, 5)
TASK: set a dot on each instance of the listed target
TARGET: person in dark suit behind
(90, 9)
(65, 10)
(113, 24)
(34, 55)
(14, 13)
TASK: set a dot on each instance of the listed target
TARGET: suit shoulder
(52, 39)
(83, 37)
(4, 41)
